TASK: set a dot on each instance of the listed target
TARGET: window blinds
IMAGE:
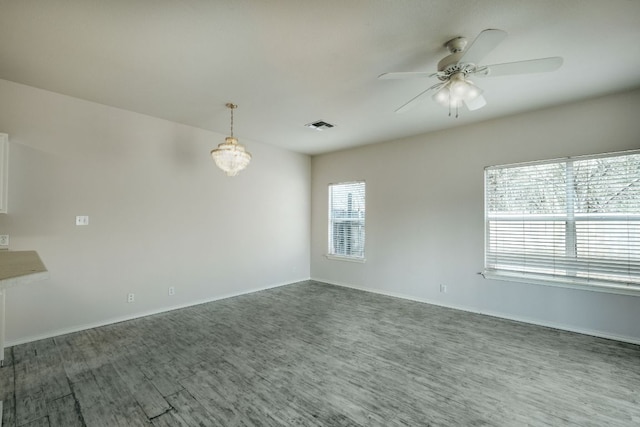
(574, 220)
(346, 219)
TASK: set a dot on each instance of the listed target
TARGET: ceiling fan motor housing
(449, 65)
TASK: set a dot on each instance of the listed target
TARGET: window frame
(331, 253)
(569, 238)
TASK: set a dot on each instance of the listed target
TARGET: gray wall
(424, 224)
(161, 214)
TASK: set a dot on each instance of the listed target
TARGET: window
(574, 221)
(346, 220)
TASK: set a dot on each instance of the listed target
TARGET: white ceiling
(290, 62)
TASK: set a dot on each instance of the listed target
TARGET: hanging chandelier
(230, 156)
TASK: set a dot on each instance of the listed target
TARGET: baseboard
(113, 320)
(591, 332)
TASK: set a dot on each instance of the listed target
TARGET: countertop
(18, 267)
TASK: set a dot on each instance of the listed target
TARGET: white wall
(424, 224)
(161, 214)
(155, 198)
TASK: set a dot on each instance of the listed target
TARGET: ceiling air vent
(319, 125)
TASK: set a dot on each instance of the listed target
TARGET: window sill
(612, 288)
(346, 258)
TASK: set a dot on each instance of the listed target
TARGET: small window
(573, 221)
(346, 220)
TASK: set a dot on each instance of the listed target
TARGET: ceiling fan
(454, 88)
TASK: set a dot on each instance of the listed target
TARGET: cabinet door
(4, 171)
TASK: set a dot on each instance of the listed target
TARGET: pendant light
(230, 156)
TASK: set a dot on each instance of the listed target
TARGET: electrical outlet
(443, 289)
(4, 240)
(172, 290)
(82, 220)
(131, 298)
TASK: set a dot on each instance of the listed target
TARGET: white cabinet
(4, 171)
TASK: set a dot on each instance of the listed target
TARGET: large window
(346, 220)
(575, 221)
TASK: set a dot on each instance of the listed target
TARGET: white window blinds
(574, 220)
(346, 219)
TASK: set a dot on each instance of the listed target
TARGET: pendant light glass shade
(230, 156)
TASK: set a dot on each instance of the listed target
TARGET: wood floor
(312, 354)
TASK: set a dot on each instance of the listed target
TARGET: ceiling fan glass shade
(442, 95)
(231, 157)
(457, 91)
(476, 104)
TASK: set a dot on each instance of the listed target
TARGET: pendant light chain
(231, 107)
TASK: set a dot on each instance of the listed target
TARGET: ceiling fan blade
(486, 41)
(406, 75)
(416, 99)
(476, 103)
(541, 65)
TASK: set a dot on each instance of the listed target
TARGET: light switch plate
(82, 220)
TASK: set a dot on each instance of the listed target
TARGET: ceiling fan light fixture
(230, 156)
(456, 91)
